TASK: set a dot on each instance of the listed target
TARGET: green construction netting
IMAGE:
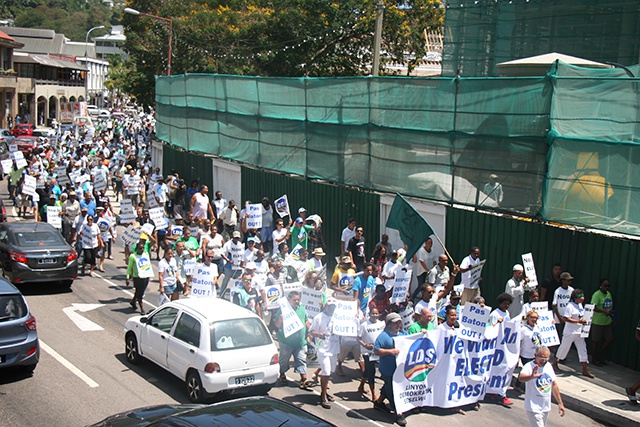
(562, 146)
(482, 33)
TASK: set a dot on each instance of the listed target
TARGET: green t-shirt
(602, 301)
(417, 328)
(297, 339)
(300, 236)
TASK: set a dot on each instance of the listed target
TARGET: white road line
(91, 383)
(346, 408)
(120, 288)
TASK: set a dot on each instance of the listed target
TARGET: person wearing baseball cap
(386, 350)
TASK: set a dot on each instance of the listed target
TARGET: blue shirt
(365, 289)
(387, 364)
(91, 206)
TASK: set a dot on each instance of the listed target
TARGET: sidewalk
(602, 398)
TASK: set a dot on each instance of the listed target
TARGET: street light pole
(135, 12)
(86, 61)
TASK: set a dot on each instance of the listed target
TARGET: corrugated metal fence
(189, 165)
(334, 204)
(587, 256)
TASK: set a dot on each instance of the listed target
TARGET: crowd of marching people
(179, 228)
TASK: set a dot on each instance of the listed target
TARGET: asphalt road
(83, 376)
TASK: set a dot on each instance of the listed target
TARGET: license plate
(246, 380)
(47, 261)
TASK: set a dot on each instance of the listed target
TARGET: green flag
(414, 230)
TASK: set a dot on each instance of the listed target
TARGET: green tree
(284, 38)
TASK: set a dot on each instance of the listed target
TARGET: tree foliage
(73, 18)
(246, 37)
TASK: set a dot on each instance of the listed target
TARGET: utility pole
(377, 39)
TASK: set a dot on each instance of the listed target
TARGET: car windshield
(38, 238)
(238, 333)
(12, 307)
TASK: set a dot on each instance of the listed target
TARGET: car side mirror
(144, 319)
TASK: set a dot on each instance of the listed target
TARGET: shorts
(601, 333)
(353, 348)
(169, 290)
(327, 364)
(369, 370)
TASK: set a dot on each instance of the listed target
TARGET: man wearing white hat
(516, 287)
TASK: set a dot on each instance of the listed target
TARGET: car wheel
(194, 387)
(131, 349)
(28, 369)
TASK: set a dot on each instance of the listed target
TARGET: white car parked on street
(210, 343)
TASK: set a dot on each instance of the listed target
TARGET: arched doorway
(53, 110)
(41, 111)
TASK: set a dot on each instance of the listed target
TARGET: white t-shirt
(168, 271)
(561, 298)
(346, 236)
(275, 235)
(234, 252)
(368, 333)
(498, 314)
(330, 345)
(215, 243)
(465, 281)
(390, 269)
(529, 339)
(537, 396)
(575, 312)
(427, 258)
(90, 236)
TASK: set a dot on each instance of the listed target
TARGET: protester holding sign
(384, 348)
(561, 298)
(541, 383)
(342, 279)
(139, 268)
(470, 285)
(328, 348)
(573, 318)
(370, 329)
(91, 239)
(516, 287)
(529, 340)
(293, 344)
(204, 280)
(167, 275)
(363, 287)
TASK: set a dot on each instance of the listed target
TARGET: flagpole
(445, 249)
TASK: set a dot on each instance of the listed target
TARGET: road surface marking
(68, 365)
(121, 288)
(82, 322)
(345, 407)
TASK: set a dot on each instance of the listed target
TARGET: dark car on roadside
(19, 347)
(259, 411)
(22, 129)
(36, 252)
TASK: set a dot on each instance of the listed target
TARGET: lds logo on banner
(420, 360)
